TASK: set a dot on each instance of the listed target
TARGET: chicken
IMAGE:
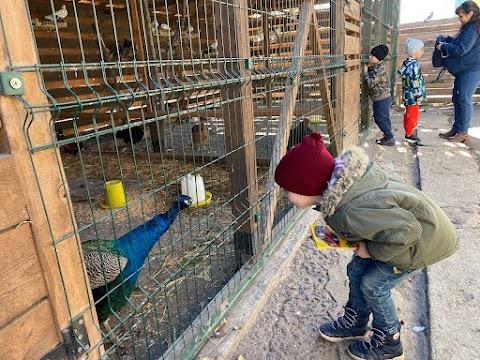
(212, 49)
(165, 27)
(59, 14)
(154, 27)
(72, 148)
(200, 134)
(298, 133)
(137, 135)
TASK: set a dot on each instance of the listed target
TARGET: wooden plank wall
(32, 289)
(438, 92)
(21, 274)
(352, 75)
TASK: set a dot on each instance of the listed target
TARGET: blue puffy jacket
(463, 51)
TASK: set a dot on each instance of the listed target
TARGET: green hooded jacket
(399, 223)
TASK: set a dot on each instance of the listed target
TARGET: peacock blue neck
(139, 242)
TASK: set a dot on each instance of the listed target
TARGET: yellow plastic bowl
(208, 200)
(114, 196)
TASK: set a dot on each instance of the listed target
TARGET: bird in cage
(298, 133)
(131, 136)
(212, 49)
(256, 38)
(72, 148)
(59, 14)
(125, 50)
(154, 27)
(165, 27)
(113, 266)
(200, 134)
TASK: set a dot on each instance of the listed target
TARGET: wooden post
(234, 45)
(338, 85)
(158, 136)
(394, 46)
(266, 53)
(366, 47)
(37, 328)
(285, 120)
(334, 125)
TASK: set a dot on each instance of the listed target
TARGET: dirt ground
(311, 287)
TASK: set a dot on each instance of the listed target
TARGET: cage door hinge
(75, 342)
(11, 83)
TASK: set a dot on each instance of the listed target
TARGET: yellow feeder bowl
(114, 196)
(208, 200)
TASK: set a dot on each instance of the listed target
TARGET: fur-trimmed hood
(399, 224)
(356, 165)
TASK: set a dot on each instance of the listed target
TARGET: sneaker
(458, 138)
(386, 142)
(378, 346)
(447, 134)
(412, 139)
(346, 327)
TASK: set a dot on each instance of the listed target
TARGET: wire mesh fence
(380, 24)
(149, 99)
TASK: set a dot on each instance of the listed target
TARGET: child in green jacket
(398, 230)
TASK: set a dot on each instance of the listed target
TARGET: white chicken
(154, 27)
(59, 14)
(165, 27)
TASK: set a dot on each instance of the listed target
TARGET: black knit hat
(380, 52)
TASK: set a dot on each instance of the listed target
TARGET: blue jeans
(462, 98)
(371, 282)
(381, 115)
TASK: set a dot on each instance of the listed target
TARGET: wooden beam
(285, 121)
(234, 43)
(365, 110)
(332, 123)
(155, 134)
(338, 82)
(40, 177)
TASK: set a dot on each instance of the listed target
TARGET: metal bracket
(75, 342)
(248, 64)
(11, 83)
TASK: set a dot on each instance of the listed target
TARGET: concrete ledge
(245, 312)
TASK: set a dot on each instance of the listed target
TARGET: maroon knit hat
(307, 168)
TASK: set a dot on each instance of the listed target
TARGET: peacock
(113, 266)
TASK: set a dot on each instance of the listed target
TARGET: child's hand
(365, 68)
(439, 46)
(420, 99)
(361, 250)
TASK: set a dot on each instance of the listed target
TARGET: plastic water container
(193, 186)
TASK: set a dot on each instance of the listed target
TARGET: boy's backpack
(437, 59)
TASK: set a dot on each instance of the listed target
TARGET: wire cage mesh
(148, 92)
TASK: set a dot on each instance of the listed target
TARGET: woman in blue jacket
(462, 58)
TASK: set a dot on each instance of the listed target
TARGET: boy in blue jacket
(413, 88)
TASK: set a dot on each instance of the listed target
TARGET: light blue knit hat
(413, 45)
